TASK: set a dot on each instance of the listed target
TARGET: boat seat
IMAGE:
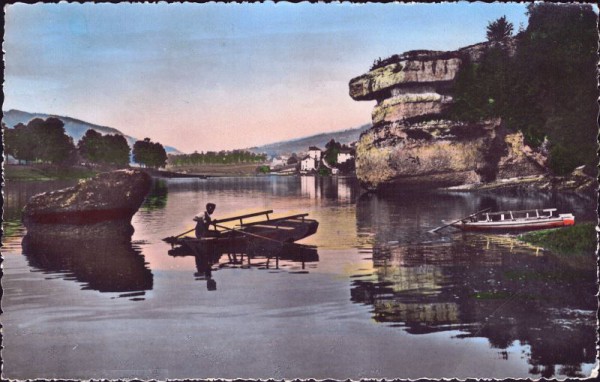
(273, 226)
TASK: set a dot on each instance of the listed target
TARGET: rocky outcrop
(431, 154)
(100, 207)
(413, 144)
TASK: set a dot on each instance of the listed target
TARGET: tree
(556, 72)
(332, 149)
(111, 149)
(499, 30)
(90, 146)
(148, 153)
(116, 150)
(547, 89)
(41, 140)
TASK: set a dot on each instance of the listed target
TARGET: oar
(456, 221)
(249, 234)
(172, 238)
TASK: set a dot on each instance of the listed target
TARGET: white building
(343, 156)
(308, 164)
(315, 153)
(278, 162)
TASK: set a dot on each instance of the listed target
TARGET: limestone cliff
(413, 144)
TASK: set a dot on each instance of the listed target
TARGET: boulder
(98, 207)
(432, 154)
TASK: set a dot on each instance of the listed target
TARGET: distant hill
(73, 127)
(301, 144)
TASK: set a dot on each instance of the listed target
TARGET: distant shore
(44, 172)
(238, 169)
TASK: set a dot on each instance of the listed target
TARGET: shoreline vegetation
(579, 239)
(46, 172)
(43, 172)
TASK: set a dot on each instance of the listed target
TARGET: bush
(263, 169)
(577, 239)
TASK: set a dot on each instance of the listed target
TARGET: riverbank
(44, 172)
(577, 239)
(37, 172)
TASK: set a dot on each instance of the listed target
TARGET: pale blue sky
(219, 76)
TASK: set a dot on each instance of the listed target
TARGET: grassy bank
(577, 239)
(239, 169)
(45, 172)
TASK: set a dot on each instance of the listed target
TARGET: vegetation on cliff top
(577, 239)
(546, 89)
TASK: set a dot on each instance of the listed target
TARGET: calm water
(374, 295)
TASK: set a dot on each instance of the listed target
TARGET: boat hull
(516, 225)
(261, 235)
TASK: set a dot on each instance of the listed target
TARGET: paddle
(171, 239)
(456, 221)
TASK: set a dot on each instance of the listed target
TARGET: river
(377, 296)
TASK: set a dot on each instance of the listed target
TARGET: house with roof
(315, 153)
(308, 164)
(278, 162)
(345, 155)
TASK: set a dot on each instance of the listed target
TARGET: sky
(219, 76)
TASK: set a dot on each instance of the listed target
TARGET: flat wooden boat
(287, 229)
(526, 220)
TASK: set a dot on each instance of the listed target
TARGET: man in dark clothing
(203, 223)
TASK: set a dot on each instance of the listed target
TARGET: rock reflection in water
(102, 265)
(483, 286)
(262, 256)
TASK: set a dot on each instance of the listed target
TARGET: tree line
(45, 141)
(216, 157)
(544, 87)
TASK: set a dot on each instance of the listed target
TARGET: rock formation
(412, 144)
(97, 208)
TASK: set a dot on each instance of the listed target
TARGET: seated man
(203, 223)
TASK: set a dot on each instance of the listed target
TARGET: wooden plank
(218, 221)
(276, 220)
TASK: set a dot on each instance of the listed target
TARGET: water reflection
(483, 286)
(259, 256)
(312, 187)
(157, 196)
(99, 264)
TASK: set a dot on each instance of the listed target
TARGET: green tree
(41, 140)
(556, 72)
(499, 30)
(547, 89)
(111, 149)
(149, 154)
(90, 146)
(116, 150)
(332, 149)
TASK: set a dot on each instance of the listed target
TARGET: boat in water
(525, 220)
(248, 235)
